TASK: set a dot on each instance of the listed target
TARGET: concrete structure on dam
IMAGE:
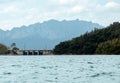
(34, 52)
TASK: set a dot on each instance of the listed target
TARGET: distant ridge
(47, 34)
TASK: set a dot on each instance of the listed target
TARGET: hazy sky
(15, 13)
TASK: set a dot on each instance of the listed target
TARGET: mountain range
(47, 34)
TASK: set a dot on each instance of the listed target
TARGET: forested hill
(98, 41)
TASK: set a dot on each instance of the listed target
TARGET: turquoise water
(60, 69)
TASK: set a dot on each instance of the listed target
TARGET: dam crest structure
(34, 52)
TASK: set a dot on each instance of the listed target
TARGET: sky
(15, 13)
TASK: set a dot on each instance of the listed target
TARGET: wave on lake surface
(60, 69)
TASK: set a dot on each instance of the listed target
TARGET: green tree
(3, 49)
(13, 45)
(14, 48)
(109, 47)
(61, 48)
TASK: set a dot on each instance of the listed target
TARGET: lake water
(60, 69)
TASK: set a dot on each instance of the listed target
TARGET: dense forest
(98, 41)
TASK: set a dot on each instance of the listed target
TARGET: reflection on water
(60, 69)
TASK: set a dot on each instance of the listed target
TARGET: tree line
(98, 41)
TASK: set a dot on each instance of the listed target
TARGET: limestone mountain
(47, 34)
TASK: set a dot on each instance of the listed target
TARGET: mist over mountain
(47, 34)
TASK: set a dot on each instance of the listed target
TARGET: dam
(34, 52)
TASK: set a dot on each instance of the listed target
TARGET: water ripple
(102, 74)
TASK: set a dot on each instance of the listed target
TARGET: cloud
(9, 9)
(65, 1)
(77, 9)
(6, 1)
(112, 5)
(109, 7)
(25, 12)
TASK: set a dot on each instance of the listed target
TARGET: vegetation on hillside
(109, 47)
(3, 49)
(98, 41)
(8, 50)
